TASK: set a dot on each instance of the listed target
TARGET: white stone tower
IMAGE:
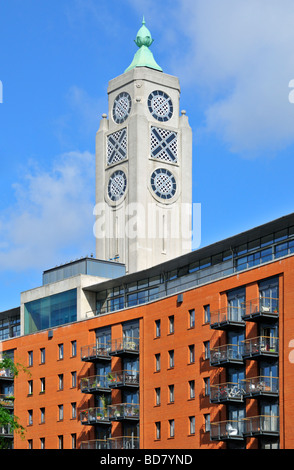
(143, 167)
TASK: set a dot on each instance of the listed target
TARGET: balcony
(93, 416)
(6, 374)
(261, 386)
(228, 317)
(264, 308)
(96, 383)
(123, 379)
(226, 355)
(122, 442)
(227, 430)
(124, 347)
(95, 352)
(228, 392)
(6, 431)
(123, 411)
(263, 425)
(261, 346)
(7, 401)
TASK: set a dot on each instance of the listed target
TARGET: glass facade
(51, 311)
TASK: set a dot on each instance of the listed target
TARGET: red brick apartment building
(194, 353)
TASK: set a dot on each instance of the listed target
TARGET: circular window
(117, 185)
(121, 107)
(163, 183)
(160, 105)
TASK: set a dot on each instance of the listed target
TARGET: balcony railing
(96, 383)
(261, 386)
(226, 354)
(224, 430)
(120, 346)
(96, 415)
(261, 308)
(261, 346)
(95, 352)
(123, 411)
(7, 401)
(6, 374)
(6, 431)
(226, 392)
(124, 378)
(261, 425)
(226, 317)
(95, 444)
(122, 442)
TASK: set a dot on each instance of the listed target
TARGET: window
(74, 379)
(207, 422)
(157, 430)
(30, 443)
(191, 389)
(192, 318)
(191, 354)
(60, 382)
(157, 396)
(171, 423)
(157, 362)
(60, 412)
(30, 358)
(42, 415)
(171, 359)
(42, 355)
(171, 324)
(30, 417)
(191, 425)
(73, 348)
(157, 328)
(30, 386)
(42, 442)
(60, 442)
(171, 393)
(42, 381)
(73, 441)
(60, 351)
(206, 386)
(207, 314)
(206, 345)
(74, 410)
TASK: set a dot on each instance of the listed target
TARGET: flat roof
(207, 251)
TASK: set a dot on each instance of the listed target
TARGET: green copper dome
(144, 57)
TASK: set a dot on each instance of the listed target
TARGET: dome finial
(144, 57)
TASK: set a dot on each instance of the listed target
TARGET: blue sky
(234, 60)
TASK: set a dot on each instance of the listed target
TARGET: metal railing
(226, 353)
(229, 314)
(261, 385)
(261, 345)
(267, 306)
(123, 411)
(122, 442)
(228, 391)
(6, 431)
(124, 345)
(95, 351)
(94, 415)
(229, 429)
(6, 374)
(262, 424)
(123, 378)
(7, 401)
(93, 383)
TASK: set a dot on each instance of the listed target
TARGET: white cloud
(52, 215)
(237, 56)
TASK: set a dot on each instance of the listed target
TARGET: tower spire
(144, 57)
